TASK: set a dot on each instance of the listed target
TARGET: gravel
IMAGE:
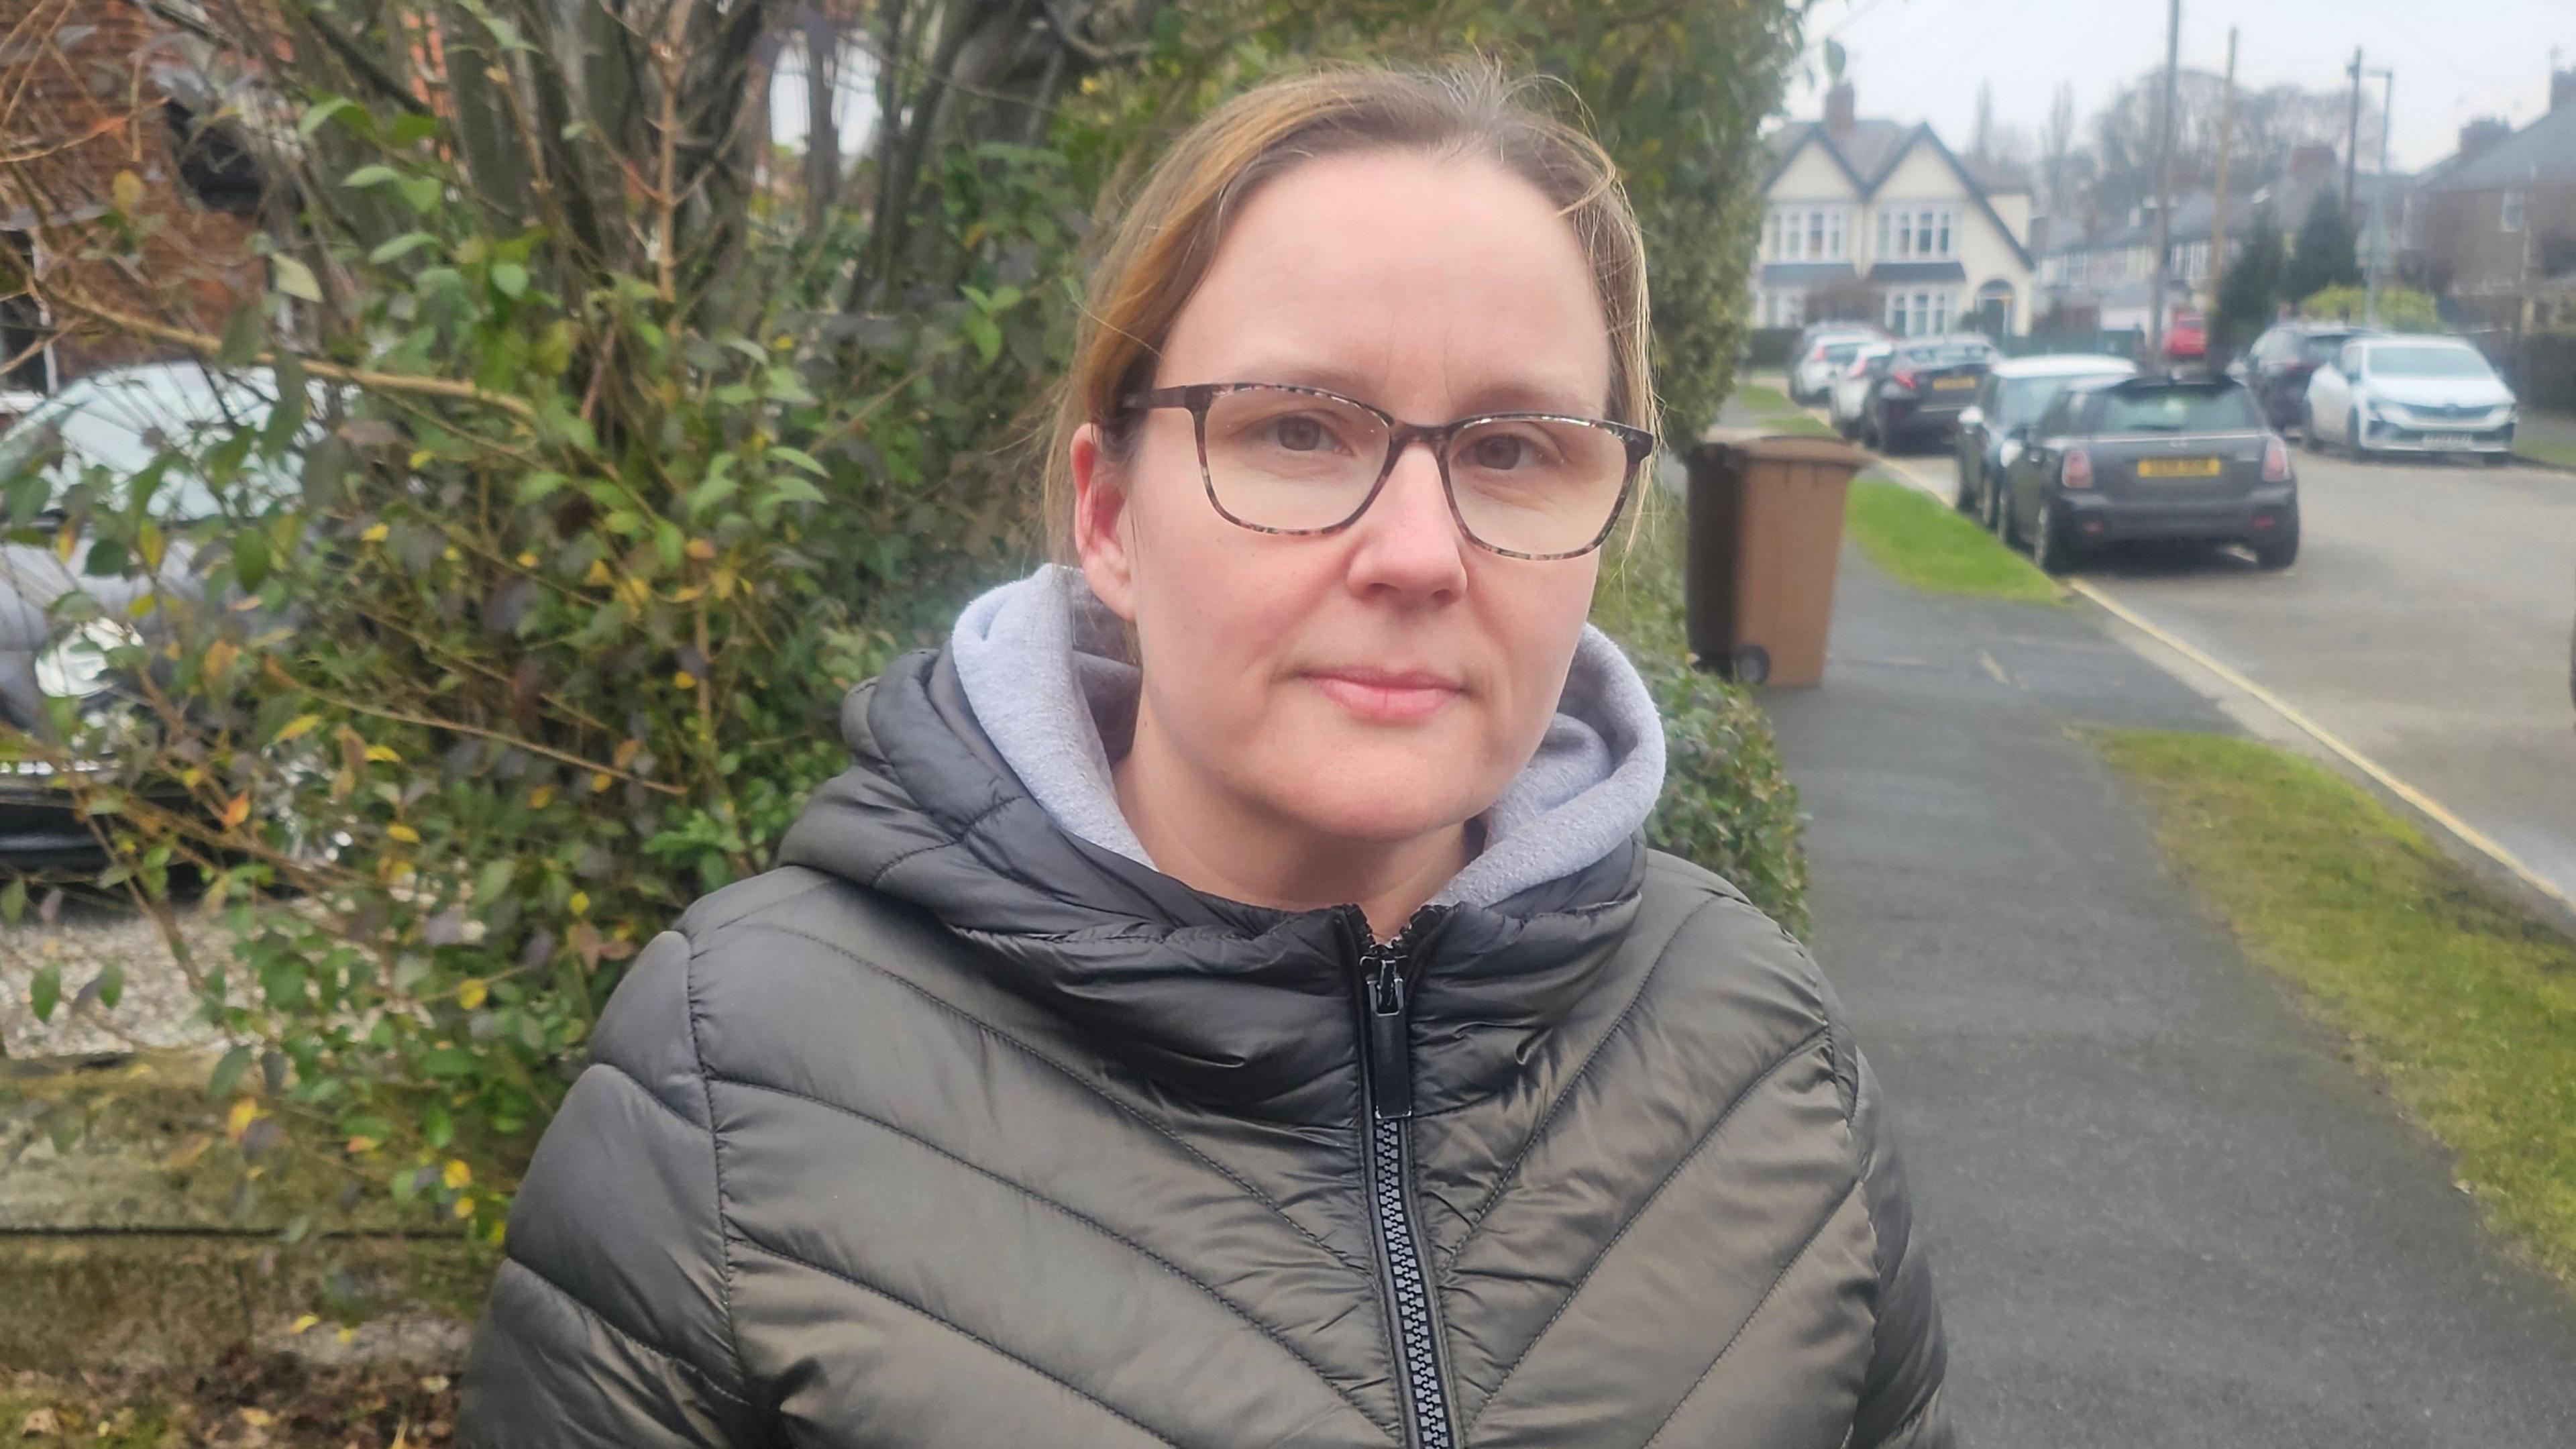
(158, 1008)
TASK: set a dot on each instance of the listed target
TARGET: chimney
(1838, 110)
(2562, 87)
(2481, 135)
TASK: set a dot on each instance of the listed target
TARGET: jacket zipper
(1386, 1091)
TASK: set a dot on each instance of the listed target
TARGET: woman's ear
(1101, 536)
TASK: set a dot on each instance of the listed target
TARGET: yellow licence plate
(2177, 467)
(1952, 384)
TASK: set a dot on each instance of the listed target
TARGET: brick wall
(86, 104)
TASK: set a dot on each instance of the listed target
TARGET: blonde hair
(1168, 234)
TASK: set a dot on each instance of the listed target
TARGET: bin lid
(1761, 444)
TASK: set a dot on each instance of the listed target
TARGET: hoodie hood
(1038, 660)
(1236, 1006)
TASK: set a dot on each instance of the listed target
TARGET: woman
(1228, 1001)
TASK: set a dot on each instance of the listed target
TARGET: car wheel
(2352, 444)
(2050, 548)
(2308, 431)
(1999, 512)
(2496, 460)
(1964, 496)
(2281, 549)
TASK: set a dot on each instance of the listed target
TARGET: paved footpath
(2165, 1214)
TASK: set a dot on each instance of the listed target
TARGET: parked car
(2009, 400)
(1812, 372)
(117, 420)
(2411, 395)
(1849, 398)
(2151, 457)
(1928, 382)
(2187, 340)
(1821, 352)
(2278, 365)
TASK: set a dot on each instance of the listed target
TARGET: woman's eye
(1501, 453)
(1299, 435)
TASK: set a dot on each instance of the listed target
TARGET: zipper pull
(1390, 1036)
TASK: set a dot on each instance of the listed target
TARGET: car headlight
(76, 666)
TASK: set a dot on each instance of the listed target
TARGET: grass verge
(2556, 454)
(1917, 541)
(1763, 398)
(2463, 1005)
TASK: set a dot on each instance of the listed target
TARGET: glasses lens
(1537, 485)
(1289, 460)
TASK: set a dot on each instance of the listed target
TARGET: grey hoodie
(1038, 659)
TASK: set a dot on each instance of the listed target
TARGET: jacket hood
(1233, 1005)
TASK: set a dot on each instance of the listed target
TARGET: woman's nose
(1407, 540)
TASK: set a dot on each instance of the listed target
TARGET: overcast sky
(1921, 60)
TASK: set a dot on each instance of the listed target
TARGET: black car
(2278, 365)
(1927, 383)
(2011, 398)
(2151, 458)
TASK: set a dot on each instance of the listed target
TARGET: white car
(1848, 401)
(1829, 351)
(2399, 394)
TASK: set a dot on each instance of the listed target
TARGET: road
(2426, 624)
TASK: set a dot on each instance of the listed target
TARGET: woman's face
(1387, 681)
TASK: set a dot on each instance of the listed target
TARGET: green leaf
(510, 280)
(422, 193)
(801, 459)
(294, 278)
(788, 488)
(413, 127)
(538, 486)
(438, 1125)
(111, 983)
(228, 1072)
(322, 111)
(13, 900)
(987, 337)
(244, 334)
(401, 247)
(46, 991)
(375, 175)
(251, 561)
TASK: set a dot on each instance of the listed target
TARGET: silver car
(2399, 394)
(108, 426)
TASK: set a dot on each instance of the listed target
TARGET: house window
(1834, 234)
(1896, 313)
(1816, 234)
(2509, 212)
(1945, 235)
(26, 335)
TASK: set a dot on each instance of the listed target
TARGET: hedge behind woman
(1228, 1000)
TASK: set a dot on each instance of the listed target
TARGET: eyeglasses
(1299, 460)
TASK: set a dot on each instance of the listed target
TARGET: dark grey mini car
(2151, 458)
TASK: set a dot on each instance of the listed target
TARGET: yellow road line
(2432, 809)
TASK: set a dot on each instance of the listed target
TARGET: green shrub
(2401, 309)
(1727, 803)
(615, 458)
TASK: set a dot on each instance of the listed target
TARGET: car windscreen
(121, 424)
(2176, 410)
(1841, 351)
(2023, 399)
(2427, 362)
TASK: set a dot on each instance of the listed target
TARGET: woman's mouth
(1387, 696)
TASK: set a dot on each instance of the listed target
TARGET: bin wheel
(1749, 664)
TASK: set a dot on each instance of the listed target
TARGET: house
(2498, 220)
(101, 90)
(1872, 211)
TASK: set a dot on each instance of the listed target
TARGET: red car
(2187, 340)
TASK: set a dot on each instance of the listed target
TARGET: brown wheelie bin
(1766, 530)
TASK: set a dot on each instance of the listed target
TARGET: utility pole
(2218, 184)
(2352, 141)
(2378, 200)
(2164, 187)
